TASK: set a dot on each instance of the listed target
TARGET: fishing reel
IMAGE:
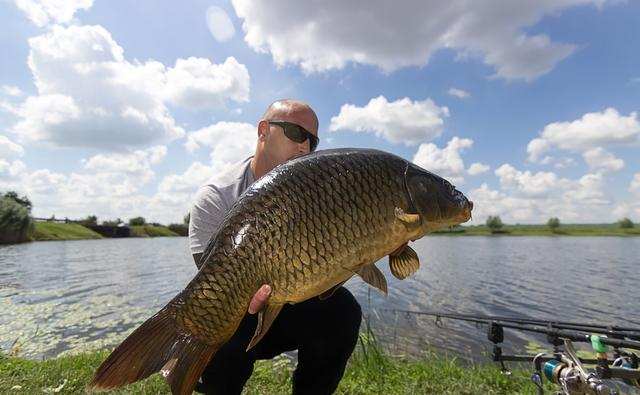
(567, 371)
(572, 379)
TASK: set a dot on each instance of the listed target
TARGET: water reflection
(59, 297)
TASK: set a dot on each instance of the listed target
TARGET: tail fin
(156, 345)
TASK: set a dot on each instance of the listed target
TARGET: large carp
(305, 228)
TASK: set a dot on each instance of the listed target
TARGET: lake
(66, 296)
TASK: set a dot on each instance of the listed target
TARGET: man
(324, 332)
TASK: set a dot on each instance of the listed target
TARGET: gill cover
(410, 198)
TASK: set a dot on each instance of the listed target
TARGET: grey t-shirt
(213, 200)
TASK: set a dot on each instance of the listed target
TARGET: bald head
(274, 147)
(295, 111)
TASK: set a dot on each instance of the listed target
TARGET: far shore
(45, 231)
(542, 230)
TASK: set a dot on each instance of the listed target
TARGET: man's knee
(350, 312)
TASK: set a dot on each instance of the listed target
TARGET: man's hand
(259, 299)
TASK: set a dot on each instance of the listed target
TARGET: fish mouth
(465, 213)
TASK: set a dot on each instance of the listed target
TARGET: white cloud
(634, 186)
(488, 202)
(406, 33)
(135, 166)
(9, 149)
(629, 210)
(197, 83)
(477, 168)
(402, 121)
(220, 24)
(90, 96)
(43, 12)
(459, 93)
(445, 162)
(573, 201)
(525, 182)
(108, 186)
(11, 90)
(600, 159)
(589, 189)
(10, 170)
(593, 130)
(188, 182)
(229, 142)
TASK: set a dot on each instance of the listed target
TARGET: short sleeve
(206, 214)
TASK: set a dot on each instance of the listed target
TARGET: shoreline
(49, 231)
(476, 230)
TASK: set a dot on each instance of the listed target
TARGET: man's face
(277, 145)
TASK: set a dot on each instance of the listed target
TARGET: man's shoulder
(226, 184)
(230, 176)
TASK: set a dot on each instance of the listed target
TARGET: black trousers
(324, 332)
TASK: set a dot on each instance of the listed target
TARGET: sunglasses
(297, 133)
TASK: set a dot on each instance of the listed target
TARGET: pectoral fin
(374, 277)
(404, 264)
(265, 319)
(329, 292)
(409, 219)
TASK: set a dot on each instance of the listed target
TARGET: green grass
(370, 371)
(543, 230)
(61, 231)
(151, 231)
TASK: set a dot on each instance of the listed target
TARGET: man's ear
(263, 129)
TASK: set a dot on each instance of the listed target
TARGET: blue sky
(121, 109)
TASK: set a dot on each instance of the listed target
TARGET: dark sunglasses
(297, 133)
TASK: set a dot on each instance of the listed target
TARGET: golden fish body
(304, 228)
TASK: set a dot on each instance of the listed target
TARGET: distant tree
(23, 201)
(156, 224)
(137, 221)
(181, 229)
(15, 221)
(625, 223)
(186, 219)
(494, 223)
(91, 220)
(553, 223)
(112, 222)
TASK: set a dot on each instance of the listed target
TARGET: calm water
(57, 297)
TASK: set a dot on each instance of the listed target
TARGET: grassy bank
(367, 373)
(544, 230)
(152, 231)
(61, 231)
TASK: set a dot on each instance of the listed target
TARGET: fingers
(259, 299)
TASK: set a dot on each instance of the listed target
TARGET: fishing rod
(563, 366)
(610, 330)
